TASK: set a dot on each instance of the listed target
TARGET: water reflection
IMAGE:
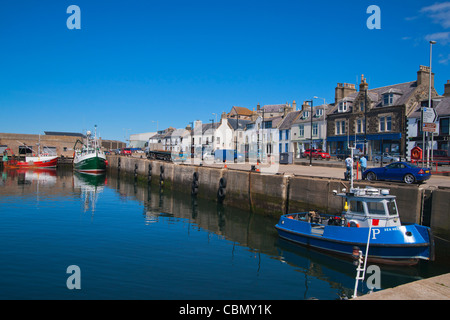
(257, 234)
(155, 243)
(91, 185)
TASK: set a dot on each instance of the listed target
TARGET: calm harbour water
(135, 242)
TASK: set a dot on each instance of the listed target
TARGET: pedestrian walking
(349, 166)
(363, 165)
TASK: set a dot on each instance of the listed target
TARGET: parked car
(399, 171)
(316, 153)
(386, 158)
(125, 152)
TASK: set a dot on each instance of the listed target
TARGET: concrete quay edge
(435, 288)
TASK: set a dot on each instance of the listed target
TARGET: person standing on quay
(363, 165)
(348, 165)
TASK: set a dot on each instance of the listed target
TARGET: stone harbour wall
(277, 194)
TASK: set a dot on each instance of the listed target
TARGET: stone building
(54, 143)
(381, 126)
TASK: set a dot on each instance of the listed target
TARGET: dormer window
(388, 99)
(319, 112)
(343, 106)
(305, 114)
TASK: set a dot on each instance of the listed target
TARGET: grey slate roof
(289, 120)
(402, 92)
(236, 124)
(442, 107)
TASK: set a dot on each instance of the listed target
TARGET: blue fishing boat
(370, 216)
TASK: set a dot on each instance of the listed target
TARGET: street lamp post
(311, 131)
(429, 105)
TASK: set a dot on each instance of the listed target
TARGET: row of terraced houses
(374, 120)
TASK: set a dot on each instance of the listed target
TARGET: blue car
(399, 171)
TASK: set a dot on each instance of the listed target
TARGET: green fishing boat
(89, 158)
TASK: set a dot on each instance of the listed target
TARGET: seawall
(278, 194)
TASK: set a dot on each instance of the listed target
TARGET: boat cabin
(370, 204)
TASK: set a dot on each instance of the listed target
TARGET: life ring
(353, 223)
(415, 154)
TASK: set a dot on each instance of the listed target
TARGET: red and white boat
(39, 161)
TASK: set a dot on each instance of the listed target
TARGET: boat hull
(389, 245)
(90, 163)
(34, 162)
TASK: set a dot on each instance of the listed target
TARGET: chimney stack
(363, 85)
(423, 76)
(447, 89)
(343, 90)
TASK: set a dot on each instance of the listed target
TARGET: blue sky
(133, 63)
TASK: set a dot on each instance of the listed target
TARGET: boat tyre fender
(221, 193)
(223, 182)
(352, 224)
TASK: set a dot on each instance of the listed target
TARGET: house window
(268, 124)
(444, 126)
(361, 106)
(301, 130)
(343, 106)
(280, 148)
(360, 125)
(340, 127)
(305, 114)
(287, 134)
(385, 124)
(319, 112)
(388, 99)
(315, 129)
(286, 147)
(281, 135)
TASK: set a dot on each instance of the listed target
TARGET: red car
(316, 153)
(125, 152)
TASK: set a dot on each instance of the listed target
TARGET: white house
(261, 138)
(301, 129)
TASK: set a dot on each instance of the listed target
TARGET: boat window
(356, 207)
(376, 207)
(392, 208)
